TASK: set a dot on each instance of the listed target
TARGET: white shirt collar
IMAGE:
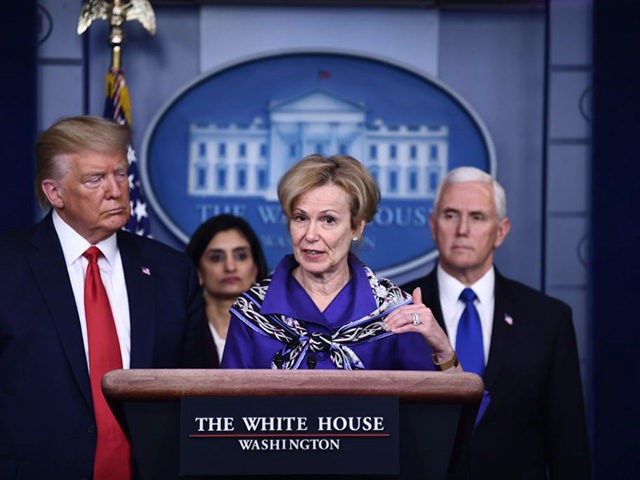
(452, 306)
(74, 245)
(450, 288)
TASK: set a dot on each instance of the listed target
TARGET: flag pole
(117, 103)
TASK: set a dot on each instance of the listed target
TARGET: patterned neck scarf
(299, 344)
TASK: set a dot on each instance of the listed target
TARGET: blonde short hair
(71, 136)
(344, 171)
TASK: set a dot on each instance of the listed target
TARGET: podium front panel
(335, 435)
(436, 413)
(427, 438)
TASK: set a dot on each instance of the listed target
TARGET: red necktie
(113, 459)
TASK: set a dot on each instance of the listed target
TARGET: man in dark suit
(48, 423)
(534, 425)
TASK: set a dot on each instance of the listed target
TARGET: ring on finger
(415, 319)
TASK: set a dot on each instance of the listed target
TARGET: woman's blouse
(275, 324)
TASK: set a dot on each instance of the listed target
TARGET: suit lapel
(501, 348)
(138, 274)
(504, 329)
(49, 267)
(431, 298)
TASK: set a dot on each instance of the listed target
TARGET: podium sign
(333, 435)
(435, 418)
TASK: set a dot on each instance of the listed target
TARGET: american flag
(117, 107)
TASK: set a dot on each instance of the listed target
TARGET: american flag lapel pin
(146, 271)
(508, 319)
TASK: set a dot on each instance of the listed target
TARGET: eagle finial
(117, 12)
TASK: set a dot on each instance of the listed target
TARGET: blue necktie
(469, 337)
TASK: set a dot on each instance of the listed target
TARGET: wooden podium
(436, 416)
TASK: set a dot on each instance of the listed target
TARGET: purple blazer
(248, 347)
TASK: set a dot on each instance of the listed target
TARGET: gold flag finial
(117, 12)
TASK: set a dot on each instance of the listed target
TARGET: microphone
(278, 360)
(312, 361)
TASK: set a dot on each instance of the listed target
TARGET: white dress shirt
(218, 341)
(452, 306)
(112, 274)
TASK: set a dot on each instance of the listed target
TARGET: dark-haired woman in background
(229, 259)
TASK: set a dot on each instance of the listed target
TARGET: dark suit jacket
(47, 425)
(535, 421)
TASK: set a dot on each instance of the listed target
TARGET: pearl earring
(355, 239)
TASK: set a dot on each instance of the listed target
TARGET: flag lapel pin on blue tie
(508, 319)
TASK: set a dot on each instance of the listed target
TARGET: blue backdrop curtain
(18, 37)
(616, 238)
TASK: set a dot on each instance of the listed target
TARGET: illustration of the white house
(248, 160)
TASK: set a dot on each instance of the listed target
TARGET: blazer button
(91, 429)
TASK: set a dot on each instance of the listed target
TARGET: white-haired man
(519, 340)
